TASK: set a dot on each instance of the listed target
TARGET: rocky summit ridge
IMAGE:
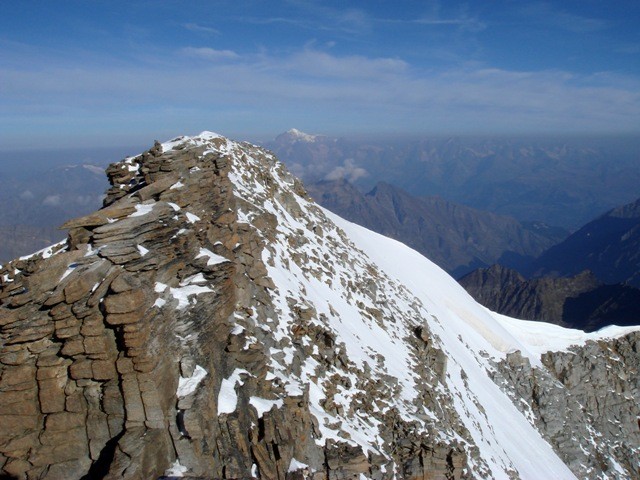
(212, 321)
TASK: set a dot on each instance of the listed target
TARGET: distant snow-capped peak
(295, 135)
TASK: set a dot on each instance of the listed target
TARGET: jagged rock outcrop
(212, 321)
(580, 301)
(92, 360)
(82, 318)
(577, 403)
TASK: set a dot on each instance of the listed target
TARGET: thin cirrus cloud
(320, 18)
(211, 54)
(313, 62)
(195, 27)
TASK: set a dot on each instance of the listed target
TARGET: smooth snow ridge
(505, 438)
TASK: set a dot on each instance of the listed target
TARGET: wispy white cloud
(348, 171)
(195, 27)
(354, 20)
(324, 65)
(462, 19)
(52, 200)
(207, 53)
(319, 17)
(273, 20)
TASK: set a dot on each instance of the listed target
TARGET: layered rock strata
(102, 333)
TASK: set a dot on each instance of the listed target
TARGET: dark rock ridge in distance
(579, 302)
(212, 321)
(456, 237)
(609, 246)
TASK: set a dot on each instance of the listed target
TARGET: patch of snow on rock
(296, 465)
(214, 258)
(188, 385)
(262, 405)
(142, 209)
(192, 217)
(176, 470)
(227, 398)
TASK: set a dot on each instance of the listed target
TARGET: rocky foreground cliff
(212, 321)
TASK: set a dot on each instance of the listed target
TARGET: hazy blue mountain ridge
(456, 237)
(559, 181)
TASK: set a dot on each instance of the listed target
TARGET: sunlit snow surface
(47, 251)
(227, 397)
(213, 258)
(541, 337)
(176, 470)
(329, 272)
(142, 209)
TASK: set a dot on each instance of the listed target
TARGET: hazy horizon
(92, 148)
(124, 73)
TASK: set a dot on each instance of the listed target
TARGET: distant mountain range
(558, 181)
(564, 182)
(456, 237)
(607, 247)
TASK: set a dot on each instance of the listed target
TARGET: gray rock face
(578, 403)
(212, 320)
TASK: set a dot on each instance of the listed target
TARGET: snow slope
(466, 329)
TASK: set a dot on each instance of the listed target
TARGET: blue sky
(110, 72)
